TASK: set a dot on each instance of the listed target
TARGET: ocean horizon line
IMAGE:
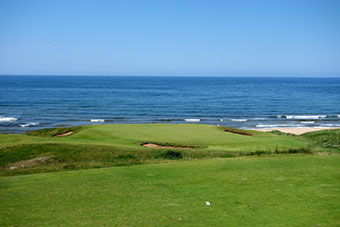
(175, 76)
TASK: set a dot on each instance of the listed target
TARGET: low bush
(171, 155)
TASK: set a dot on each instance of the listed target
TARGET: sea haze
(32, 102)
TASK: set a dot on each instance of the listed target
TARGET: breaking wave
(330, 125)
(8, 119)
(97, 120)
(29, 124)
(239, 120)
(277, 126)
(305, 117)
(192, 120)
(307, 122)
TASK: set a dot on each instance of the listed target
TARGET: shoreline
(296, 131)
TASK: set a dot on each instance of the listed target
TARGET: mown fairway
(264, 191)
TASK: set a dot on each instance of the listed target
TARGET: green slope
(205, 136)
(116, 145)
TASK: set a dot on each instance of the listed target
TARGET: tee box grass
(244, 191)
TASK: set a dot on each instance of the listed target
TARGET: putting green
(206, 137)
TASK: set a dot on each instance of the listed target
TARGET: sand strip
(296, 131)
(153, 145)
(64, 134)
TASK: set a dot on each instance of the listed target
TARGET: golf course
(169, 175)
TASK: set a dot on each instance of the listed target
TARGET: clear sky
(180, 38)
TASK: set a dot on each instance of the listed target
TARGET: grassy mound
(203, 136)
(98, 146)
(325, 138)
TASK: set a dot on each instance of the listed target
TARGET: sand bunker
(64, 134)
(153, 145)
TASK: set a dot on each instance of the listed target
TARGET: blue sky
(179, 38)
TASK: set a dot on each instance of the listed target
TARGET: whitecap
(8, 119)
(330, 125)
(239, 120)
(276, 126)
(305, 117)
(28, 124)
(307, 122)
(192, 120)
(97, 120)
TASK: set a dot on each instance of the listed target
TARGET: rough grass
(247, 191)
(325, 138)
(78, 156)
(277, 132)
(50, 132)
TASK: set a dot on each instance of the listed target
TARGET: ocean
(33, 102)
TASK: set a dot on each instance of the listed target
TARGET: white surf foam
(28, 124)
(97, 120)
(307, 122)
(305, 117)
(330, 125)
(338, 115)
(192, 120)
(239, 120)
(276, 126)
(221, 119)
(8, 119)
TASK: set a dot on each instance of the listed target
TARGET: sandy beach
(296, 131)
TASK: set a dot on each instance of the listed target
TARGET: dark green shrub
(125, 157)
(172, 155)
(228, 155)
(299, 150)
(70, 166)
